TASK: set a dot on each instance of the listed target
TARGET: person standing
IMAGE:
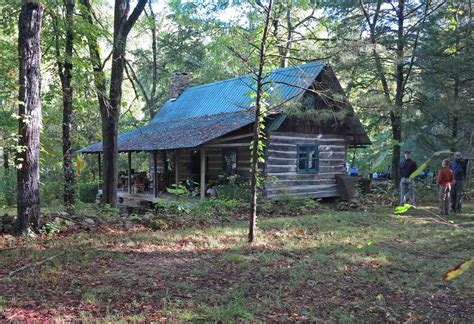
(459, 168)
(445, 179)
(407, 185)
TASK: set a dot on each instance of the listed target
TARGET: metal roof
(208, 111)
(232, 95)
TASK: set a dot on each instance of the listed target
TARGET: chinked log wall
(281, 169)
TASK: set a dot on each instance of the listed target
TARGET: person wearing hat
(459, 167)
(407, 185)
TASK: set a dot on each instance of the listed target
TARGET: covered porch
(165, 169)
(149, 175)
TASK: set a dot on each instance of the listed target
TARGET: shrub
(234, 188)
(87, 191)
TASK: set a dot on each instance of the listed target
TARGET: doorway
(195, 165)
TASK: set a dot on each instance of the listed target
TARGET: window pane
(313, 164)
(312, 153)
(302, 164)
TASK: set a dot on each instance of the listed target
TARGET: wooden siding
(281, 168)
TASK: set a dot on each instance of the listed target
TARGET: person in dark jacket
(407, 185)
(459, 167)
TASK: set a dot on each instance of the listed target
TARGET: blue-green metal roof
(208, 111)
(232, 95)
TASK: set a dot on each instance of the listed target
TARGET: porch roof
(180, 133)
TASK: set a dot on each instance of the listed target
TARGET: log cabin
(204, 132)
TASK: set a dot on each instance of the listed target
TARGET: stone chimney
(179, 82)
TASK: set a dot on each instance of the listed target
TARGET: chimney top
(179, 83)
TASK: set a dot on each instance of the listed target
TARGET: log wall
(282, 178)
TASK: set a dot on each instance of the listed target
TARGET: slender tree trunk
(285, 51)
(256, 130)
(28, 174)
(65, 74)
(455, 125)
(396, 113)
(6, 162)
(154, 66)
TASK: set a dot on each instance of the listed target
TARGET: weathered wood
(284, 161)
(226, 145)
(316, 194)
(308, 187)
(129, 172)
(292, 168)
(296, 176)
(203, 174)
(155, 174)
(309, 141)
(176, 167)
(292, 154)
(99, 166)
(291, 183)
(278, 134)
(231, 138)
(293, 147)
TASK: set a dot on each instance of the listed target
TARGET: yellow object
(458, 270)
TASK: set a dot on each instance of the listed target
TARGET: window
(230, 161)
(308, 158)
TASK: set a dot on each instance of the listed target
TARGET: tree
(65, 75)
(28, 174)
(256, 143)
(444, 92)
(387, 49)
(110, 106)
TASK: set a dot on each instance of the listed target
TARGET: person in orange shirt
(445, 179)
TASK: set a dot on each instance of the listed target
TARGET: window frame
(307, 148)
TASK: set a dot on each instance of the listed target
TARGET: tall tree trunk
(455, 125)
(257, 124)
(154, 66)
(28, 174)
(110, 108)
(396, 113)
(65, 74)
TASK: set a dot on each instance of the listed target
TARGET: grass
(345, 266)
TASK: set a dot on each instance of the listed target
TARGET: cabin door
(195, 165)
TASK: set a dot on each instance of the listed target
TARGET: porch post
(99, 186)
(155, 174)
(203, 174)
(129, 172)
(176, 167)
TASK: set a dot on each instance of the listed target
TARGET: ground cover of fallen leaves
(369, 265)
